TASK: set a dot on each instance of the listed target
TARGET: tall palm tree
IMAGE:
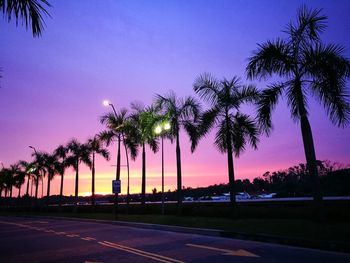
(20, 177)
(306, 66)
(118, 128)
(53, 167)
(30, 12)
(79, 153)
(38, 171)
(28, 169)
(143, 121)
(235, 130)
(181, 113)
(61, 155)
(114, 123)
(96, 147)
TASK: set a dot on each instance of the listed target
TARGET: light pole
(160, 130)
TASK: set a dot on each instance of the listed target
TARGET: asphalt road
(49, 240)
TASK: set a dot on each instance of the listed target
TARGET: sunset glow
(52, 87)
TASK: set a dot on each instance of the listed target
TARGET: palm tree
(79, 153)
(27, 168)
(6, 180)
(29, 11)
(181, 113)
(38, 171)
(53, 167)
(96, 147)
(20, 176)
(61, 155)
(143, 121)
(306, 66)
(118, 128)
(234, 129)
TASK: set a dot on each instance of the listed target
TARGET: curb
(304, 243)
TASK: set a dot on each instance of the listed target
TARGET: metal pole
(163, 210)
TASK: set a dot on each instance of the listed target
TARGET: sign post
(116, 186)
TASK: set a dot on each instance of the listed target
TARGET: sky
(52, 87)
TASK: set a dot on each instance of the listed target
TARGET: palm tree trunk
(42, 187)
(143, 184)
(117, 177)
(36, 188)
(11, 191)
(76, 181)
(31, 188)
(28, 186)
(231, 174)
(128, 170)
(179, 179)
(48, 185)
(19, 191)
(61, 189)
(93, 179)
(310, 155)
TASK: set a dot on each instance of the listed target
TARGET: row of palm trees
(304, 66)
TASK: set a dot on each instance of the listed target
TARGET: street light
(160, 129)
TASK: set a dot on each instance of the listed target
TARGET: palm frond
(271, 57)
(266, 104)
(207, 87)
(29, 11)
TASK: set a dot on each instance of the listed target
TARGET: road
(51, 240)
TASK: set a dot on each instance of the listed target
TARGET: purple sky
(53, 86)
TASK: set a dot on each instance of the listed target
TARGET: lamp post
(160, 130)
(107, 103)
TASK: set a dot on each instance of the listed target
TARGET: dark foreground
(49, 240)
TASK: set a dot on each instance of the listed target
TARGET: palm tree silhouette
(181, 113)
(118, 128)
(235, 130)
(20, 177)
(52, 167)
(30, 12)
(61, 155)
(306, 66)
(78, 153)
(95, 147)
(143, 121)
(39, 170)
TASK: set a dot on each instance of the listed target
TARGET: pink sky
(52, 87)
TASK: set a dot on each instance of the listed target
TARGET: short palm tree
(29, 11)
(306, 67)
(235, 130)
(78, 153)
(143, 121)
(95, 147)
(181, 113)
